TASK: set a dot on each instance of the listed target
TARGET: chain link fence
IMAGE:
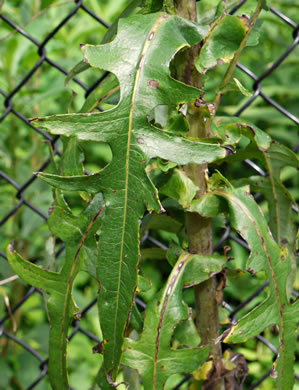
(22, 201)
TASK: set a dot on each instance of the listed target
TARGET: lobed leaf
(139, 57)
(78, 235)
(273, 158)
(265, 255)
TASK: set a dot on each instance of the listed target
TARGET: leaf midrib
(127, 166)
(165, 300)
(69, 285)
(271, 177)
(239, 204)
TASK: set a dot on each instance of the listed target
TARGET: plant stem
(199, 229)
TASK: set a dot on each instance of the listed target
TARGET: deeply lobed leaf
(139, 57)
(266, 255)
(78, 235)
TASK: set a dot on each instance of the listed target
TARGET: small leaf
(108, 88)
(180, 188)
(161, 222)
(78, 68)
(221, 43)
(230, 129)
(200, 268)
(208, 11)
(235, 85)
(144, 284)
(186, 334)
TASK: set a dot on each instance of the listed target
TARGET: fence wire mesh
(21, 186)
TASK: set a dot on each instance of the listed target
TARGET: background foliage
(22, 151)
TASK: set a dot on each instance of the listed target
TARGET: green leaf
(264, 5)
(235, 85)
(180, 188)
(144, 284)
(82, 66)
(273, 158)
(200, 268)
(186, 334)
(153, 254)
(265, 255)
(139, 56)
(78, 68)
(208, 11)
(230, 130)
(220, 45)
(75, 232)
(167, 117)
(152, 354)
(160, 222)
(107, 88)
(111, 32)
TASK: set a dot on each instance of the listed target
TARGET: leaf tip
(226, 334)
(36, 119)
(228, 150)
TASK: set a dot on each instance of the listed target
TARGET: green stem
(199, 229)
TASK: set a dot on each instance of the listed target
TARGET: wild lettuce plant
(163, 135)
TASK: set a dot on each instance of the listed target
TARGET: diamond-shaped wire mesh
(19, 185)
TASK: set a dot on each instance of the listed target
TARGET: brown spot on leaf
(82, 45)
(140, 140)
(153, 83)
(220, 61)
(99, 348)
(245, 19)
(284, 241)
(99, 287)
